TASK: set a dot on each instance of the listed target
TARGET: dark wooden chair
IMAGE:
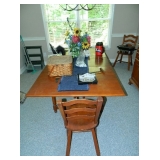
(129, 40)
(81, 115)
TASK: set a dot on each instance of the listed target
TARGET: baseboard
(22, 69)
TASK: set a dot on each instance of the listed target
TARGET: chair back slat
(80, 118)
(80, 113)
(131, 40)
(80, 101)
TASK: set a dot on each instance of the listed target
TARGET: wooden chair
(130, 40)
(81, 115)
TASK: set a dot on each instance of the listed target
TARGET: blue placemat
(70, 83)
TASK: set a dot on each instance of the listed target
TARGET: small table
(108, 82)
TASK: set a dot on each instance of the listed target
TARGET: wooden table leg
(54, 104)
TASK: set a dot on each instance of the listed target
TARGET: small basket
(59, 65)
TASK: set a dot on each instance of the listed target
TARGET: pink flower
(75, 39)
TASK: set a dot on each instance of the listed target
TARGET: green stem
(69, 24)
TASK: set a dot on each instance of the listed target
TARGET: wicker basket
(59, 65)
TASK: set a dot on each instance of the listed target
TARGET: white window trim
(45, 27)
(110, 27)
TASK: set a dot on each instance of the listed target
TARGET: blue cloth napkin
(70, 83)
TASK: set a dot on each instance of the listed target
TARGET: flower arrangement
(76, 42)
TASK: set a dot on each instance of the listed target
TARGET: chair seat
(125, 52)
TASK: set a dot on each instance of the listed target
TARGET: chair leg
(69, 138)
(121, 57)
(115, 60)
(129, 60)
(95, 142)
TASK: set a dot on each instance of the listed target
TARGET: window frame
(110, 19)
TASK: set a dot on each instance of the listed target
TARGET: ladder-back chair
(129, 41)
(81, 115)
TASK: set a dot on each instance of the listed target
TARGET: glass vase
(80, 61)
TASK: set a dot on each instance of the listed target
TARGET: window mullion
(78, 23)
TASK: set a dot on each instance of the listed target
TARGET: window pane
(99, 11)
(98, 30)
(56, 33)
(54, 12)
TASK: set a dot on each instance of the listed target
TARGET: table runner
(70, 83)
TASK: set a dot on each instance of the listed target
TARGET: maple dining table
(109, 84)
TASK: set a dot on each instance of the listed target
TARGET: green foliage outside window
(95, 22)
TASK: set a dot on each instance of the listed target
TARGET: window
(97, 23)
